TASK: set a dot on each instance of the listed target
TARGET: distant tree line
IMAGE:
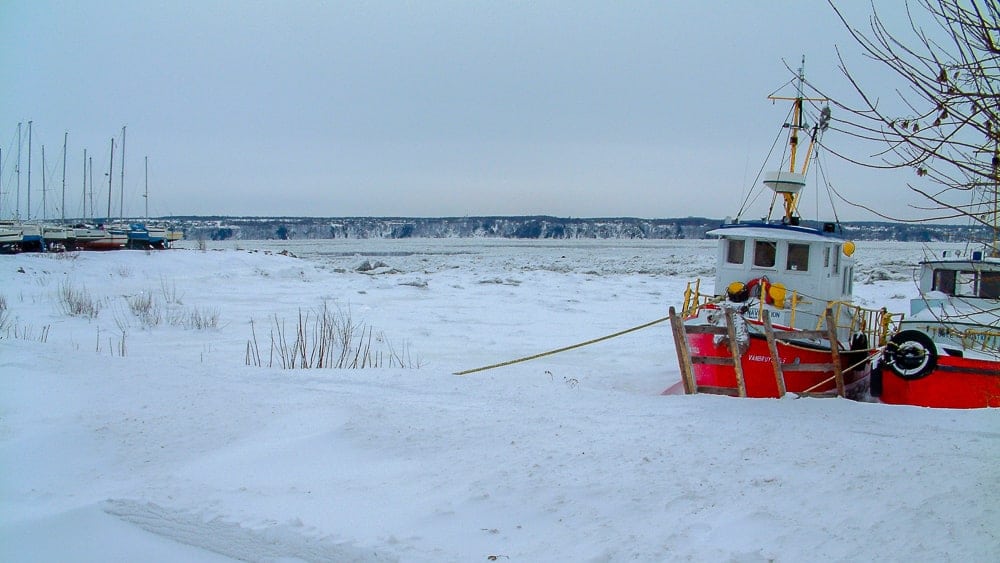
(529, 227)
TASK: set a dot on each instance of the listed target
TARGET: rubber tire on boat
(911, 355)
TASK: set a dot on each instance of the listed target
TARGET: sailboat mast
(90, 162)
(27, 214)
(17, 169)
(111, 174)
(43, 184)
(84, 200)
(146, 196)
(65, 138)
(121, 194)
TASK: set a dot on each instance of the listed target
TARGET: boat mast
(27, 214)
(84, 200)
(90, 162)
(792, 199)
(146, 195)
(43, 183)
(111, 174)
(65, 138)
(17, 169)
(121, 194)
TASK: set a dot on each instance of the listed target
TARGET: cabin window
(989, 285)
(965, 284)
(764, 252)
(826, 256)
(847, 287)
(836, 259)
(944, 281)
(798, 257)
(736, 251)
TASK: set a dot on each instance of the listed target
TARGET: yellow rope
(564, 349)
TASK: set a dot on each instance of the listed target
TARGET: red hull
(758, 373)
(101, 244)
(956, 383)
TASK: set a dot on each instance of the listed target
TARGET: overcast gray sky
(424, 108)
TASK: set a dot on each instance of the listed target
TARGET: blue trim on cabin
(829, 230)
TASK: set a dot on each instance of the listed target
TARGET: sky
(431, 108)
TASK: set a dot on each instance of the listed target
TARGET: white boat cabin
(799, 270)
(968, 280)
(958, 306)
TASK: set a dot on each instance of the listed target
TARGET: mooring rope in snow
(563, 349)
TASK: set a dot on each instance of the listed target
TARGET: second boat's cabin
(811, 267)
(965, 279)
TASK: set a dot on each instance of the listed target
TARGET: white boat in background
(10, 236)
(31, 237)
(57, 237)
(90, 237)
(947, 353)
(157, 236)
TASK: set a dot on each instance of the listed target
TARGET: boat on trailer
(10, 236)
(781, 316)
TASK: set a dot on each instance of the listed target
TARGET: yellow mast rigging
(792, 199)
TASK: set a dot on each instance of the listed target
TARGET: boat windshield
(985, 285)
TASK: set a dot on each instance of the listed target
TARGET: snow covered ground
(131, 440)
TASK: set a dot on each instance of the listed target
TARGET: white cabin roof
(777, 232)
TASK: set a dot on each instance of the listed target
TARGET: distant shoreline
(523, 227)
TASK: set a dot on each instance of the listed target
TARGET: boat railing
(876, 324)
(982, 339)
(694, 299)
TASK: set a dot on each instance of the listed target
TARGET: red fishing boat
(781, 317)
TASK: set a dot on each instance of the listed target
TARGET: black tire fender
(875, 381)
(911, 354)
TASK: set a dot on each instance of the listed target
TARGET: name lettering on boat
(763, 358)
(754, 313)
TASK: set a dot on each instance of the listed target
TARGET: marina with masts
(27, 232)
